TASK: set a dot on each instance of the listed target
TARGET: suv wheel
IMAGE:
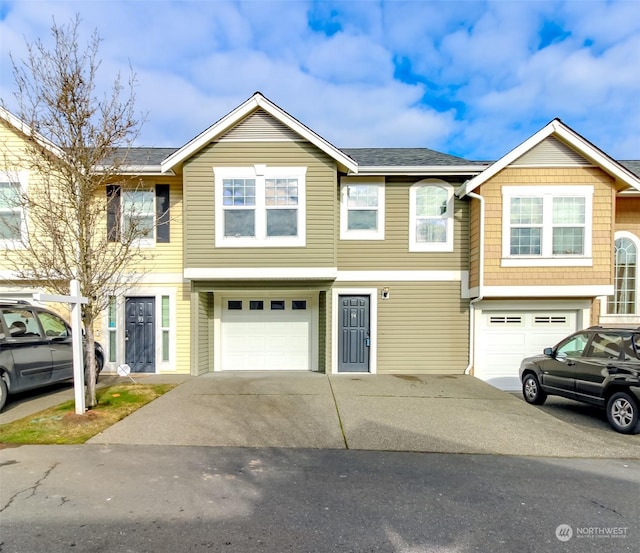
(3, 392)
(622, 412)
(532, 391)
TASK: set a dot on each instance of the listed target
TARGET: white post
(78, 357)
(76, 300)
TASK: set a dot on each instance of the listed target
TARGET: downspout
(472, 309)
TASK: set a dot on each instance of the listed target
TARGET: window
(573, 346)
(299, 305)
(277, 305)
(256, 305)
(234, 305)
(112, 323)
(140, 214)
(625, 297)
(260, 206)
(431, 216)
(166, 324)
(12, 223)
(22, 324)
(362, 208)
(546, 225)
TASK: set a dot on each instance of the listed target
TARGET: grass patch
(61, 425)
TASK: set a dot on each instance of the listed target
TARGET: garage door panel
(505, 338)
(268, 339)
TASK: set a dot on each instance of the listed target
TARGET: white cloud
(363, 73)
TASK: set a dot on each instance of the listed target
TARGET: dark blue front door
(353, 334)
(140, 335)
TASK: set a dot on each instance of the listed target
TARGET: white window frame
(147, 242)
(547, 194)
(414, 245)
(345, 233)
(22, 178)
(260, 173)
(605, 302)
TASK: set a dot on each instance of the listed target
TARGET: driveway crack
(335, 402)
(33, 488)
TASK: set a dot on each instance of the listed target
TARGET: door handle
(571, 363)
(126, 335)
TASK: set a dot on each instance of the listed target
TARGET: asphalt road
(126, 498)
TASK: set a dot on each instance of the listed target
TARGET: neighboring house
(284, 252)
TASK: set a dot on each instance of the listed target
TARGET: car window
(573, 346)
(605, 346)
(21, 323)
(53, 325)
(632, 348)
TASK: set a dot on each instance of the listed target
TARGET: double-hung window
(12, 221)
(546, 225)
(431, 216)
(138, 214)
(260, 206)
(362, 208)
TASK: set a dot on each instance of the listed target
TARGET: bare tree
(78, 141)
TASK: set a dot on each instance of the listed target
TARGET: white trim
(403, 276)
(546, 257)
(345, 233)
(373, 325)
(605, 302)
(257, 101)
(549, 291)
(420, 170)
(572, 139)
(137, 292)
(260, 173)
(414, 245)
(261, 273)
(20, 177)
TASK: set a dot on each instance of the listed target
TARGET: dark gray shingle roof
(632, 164)
(405, 157)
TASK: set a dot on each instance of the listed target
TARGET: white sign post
(76, 300)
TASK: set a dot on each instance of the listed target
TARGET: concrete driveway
(452, 414)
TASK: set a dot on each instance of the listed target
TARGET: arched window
(625, 298)
(431, 216)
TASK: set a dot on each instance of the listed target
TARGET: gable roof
(570, 137)
(257, 101)
(28, 132)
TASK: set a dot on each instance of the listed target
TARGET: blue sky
(469, 78)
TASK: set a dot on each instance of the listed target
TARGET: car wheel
(622, 412)
(3, 392)
(532, 391)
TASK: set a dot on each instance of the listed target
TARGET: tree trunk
(90, 370)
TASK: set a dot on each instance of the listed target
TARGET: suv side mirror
(548, 352)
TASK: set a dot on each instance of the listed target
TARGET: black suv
(35, 348)
(598, 365)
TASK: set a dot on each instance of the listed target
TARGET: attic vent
(260, 127)
(505, 319)
(552, 152)
(550, 319)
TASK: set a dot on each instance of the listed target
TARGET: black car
(35, 348)
(599, 365)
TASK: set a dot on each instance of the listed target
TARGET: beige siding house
(287, 253)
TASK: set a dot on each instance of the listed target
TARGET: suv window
(21, 323)
(574, 346)
(53, 325)
(606, 346)
(632, 347)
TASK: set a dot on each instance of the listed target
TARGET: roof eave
(572, 138)
(417, 170)
(257, 101)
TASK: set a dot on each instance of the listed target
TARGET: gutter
(472, 303)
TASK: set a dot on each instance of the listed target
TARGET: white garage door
(506, 337)
(266, 334)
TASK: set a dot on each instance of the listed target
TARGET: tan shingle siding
(599, 274)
